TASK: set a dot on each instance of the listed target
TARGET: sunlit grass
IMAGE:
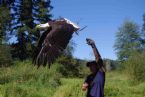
(117, 85)
(70, 88)
(25, 80)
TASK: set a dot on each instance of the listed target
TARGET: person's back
(97, 89)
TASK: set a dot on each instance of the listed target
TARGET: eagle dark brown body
(53, 41)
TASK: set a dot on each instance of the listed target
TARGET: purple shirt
(97, 88)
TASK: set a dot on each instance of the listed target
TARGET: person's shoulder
(90, 76)
(100, 60)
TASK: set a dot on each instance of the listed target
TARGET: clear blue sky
(103, 17)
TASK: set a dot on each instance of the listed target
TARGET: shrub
(135, 67)
(68, 66)
(5, 55)
(24, 80)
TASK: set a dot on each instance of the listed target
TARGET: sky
(102, 18)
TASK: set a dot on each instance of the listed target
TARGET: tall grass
(117, 85)
(70, 88)
(25, 80)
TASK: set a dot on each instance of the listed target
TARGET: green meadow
(66, 34)
(25, 80)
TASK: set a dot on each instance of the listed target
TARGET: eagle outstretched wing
(53, 41)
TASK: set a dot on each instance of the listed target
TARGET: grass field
(117, 85)
(25, 80)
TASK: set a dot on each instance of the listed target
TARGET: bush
(5, 55)
(24, 80)
(135, 67)
(69, 67)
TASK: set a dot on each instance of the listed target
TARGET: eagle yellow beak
(38, 26)
(43, 26)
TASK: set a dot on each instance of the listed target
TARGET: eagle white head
(72, 23)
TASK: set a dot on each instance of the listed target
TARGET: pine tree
(41, 11)
(5, 55)
(4, 19)
(143, 34)
(41, 14)
(143, 28)
(127, 40)
(26, 14)
(6, 2)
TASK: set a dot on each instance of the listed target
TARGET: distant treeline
(130, 49)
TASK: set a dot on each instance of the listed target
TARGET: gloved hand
(90, 41)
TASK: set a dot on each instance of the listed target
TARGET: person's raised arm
(95, 50)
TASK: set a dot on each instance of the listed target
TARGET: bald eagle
(53, 41)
